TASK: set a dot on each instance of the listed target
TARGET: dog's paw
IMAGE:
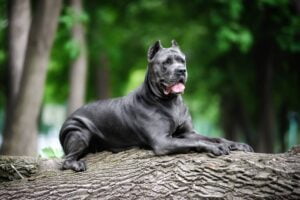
(77, 166)
(223, 148)
(235, 146)
(218, 149)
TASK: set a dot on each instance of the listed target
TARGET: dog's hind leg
(75, 146)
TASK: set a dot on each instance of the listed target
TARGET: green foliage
(136, 79)
(2, 56)
(71, 17)
(73, 48)
(49, 152)
(288, 38)
(235, 34)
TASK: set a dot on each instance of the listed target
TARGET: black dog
(153, 117)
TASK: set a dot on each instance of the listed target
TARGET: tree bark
(79, 65)
(18, 26)
(139, 174)
(23, 127)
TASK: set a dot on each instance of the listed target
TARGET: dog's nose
(180, 71)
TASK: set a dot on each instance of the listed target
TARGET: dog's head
(167, 69)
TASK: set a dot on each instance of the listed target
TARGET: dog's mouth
(174, 88)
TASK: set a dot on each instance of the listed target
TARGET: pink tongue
(178, 88)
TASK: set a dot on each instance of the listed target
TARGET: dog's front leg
(169, 145)
(233, 146)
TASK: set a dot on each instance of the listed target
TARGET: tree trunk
(227, 119)
(23, 127)
(234, 120)
(265, 54)
(266, 130)
(103, 79)
(79, 65)
(138, 174)
(18, 26)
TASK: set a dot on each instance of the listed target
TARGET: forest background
(242, 57)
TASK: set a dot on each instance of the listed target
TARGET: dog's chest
(175, 118)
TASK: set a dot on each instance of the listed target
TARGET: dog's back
(110, 122)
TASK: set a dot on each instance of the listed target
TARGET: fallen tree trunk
(138, 174)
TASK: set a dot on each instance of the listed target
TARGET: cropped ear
(154, 49)
(175, 44)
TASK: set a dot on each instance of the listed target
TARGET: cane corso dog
(153, 116)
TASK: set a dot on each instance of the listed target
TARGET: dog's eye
(178, 59)
(168, 61)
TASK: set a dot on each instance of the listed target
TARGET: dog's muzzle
(176, 87)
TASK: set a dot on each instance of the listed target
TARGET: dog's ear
(154, 49)
(175, 44)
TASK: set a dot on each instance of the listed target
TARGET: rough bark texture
(79, 65)
(18, 26)
(138, 174)
(23, 127)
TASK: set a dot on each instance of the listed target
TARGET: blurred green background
(242, 57)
